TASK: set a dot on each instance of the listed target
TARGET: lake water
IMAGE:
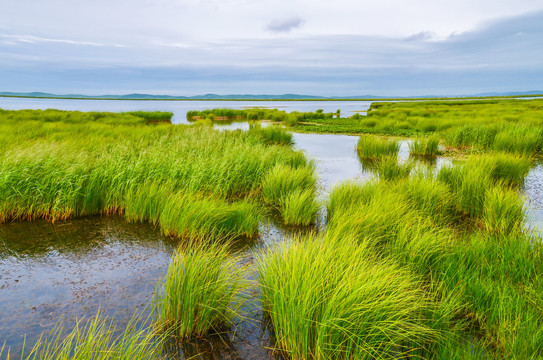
(179, 108)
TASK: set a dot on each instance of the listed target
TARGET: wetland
(313, 244)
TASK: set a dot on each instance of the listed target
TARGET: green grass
(97, 339)
(291, 192)
(299, 207)
(189, 181)
(372, 148)
(389, 168)
(347, 305)
(463, 233)
(202, 291)
(425, 147)
(272, 135)
(503, 212)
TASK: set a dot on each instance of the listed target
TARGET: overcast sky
(318, 47)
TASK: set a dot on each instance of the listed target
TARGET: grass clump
(201, 293)
(347, 305)
(299, 207)
(291, 191)
(98, 339)
(427, 147)
(389, 168)
(152, 116)
(503, 211)
(272, 135)
(347, 195)
(372, 148)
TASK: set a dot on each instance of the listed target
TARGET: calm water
(72, 269)
(179, 108)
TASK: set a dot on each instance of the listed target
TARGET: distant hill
(136, 96)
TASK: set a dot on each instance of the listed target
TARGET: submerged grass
(98, 339)
(201, 292)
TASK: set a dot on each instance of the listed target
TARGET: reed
(59, 164)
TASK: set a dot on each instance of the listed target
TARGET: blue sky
(340, 48)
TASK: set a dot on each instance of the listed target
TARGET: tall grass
(389, 168)
(97, 339)
(426, 147)
(187, 180)
(272, 135)
(201, 293)
(299, 207)
(291, 191)
(347, 305)
(371, 147)
(503, 211)
(463, 233)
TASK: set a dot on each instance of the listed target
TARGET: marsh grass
(201, 292)
(425, 147)
(346, 305)
(98, 339)
(189, 181)
(372, 148)
(504, 211)
(152, 116)
(299, 207)
(272, 135)
(291, 192)
(462, 232)
(388, 168)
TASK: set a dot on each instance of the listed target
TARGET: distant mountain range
(249, 96)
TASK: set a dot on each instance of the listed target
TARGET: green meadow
(416, 263)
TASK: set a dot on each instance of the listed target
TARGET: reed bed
(506, 125)
(202, 291)
(190, 181)
(462, 233)
(279, 116)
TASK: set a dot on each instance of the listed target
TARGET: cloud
(286, 24)
(499, 56)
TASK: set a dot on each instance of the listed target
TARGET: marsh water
(76, 268)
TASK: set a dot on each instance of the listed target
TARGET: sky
(315, 47)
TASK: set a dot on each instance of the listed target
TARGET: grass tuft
(201, 293)
(372, 148)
